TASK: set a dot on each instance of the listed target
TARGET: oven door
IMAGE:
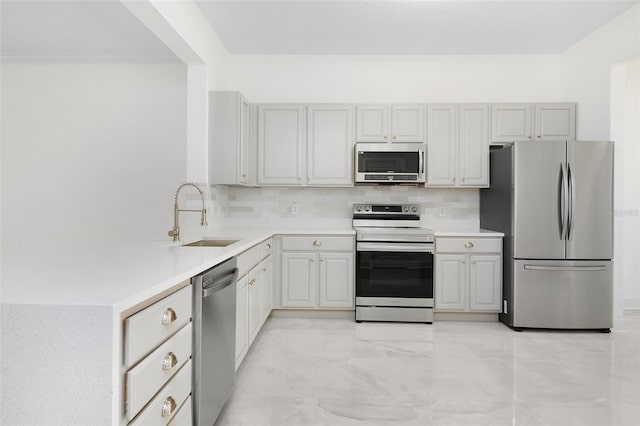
(394, 271)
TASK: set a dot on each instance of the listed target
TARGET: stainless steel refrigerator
(554, 203)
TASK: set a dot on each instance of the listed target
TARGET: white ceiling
(77, 30)
(406, 27)
(105, 30)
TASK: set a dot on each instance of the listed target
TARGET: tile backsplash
(441, 209)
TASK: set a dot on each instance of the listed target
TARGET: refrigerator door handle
(565, 268)
(571, 201)
(562, 202)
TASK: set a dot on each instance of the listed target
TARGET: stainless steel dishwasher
(214, 340)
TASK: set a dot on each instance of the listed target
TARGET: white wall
(588, 67)
(625, 130)
(90, 151)
(302, 78)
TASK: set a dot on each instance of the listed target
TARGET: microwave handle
(421, 164)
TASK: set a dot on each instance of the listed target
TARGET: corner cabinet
(458, 145)
(468, 274)
(316, 271)
(305, 145)
(390, 123)
(533, 122)
(229, 139)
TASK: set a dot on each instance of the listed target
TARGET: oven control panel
(410, 209)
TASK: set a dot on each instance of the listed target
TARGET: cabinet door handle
(169, 316)
(317, 243)
(321, 260)
(170, 360)
(395, 137)
(453, 180)
(268, 246)
(468, 244)
(168, 406)
(385, 136)
(252, 282)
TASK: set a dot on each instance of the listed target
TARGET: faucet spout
(175, 231)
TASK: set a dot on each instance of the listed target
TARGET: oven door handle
(395, 247)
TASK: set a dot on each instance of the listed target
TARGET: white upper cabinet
(330, 145)
(229, 139)
(555, 122)
(281, 145)
(511, 122)
(372, 123)
(442, 145)
(407, 123)
(458, 145)
(390, 123)
(526, 122)
(474, 145)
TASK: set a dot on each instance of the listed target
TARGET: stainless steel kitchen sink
(211, 243)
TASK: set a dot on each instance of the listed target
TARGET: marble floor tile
(320, 372)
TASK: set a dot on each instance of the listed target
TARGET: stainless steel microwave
(395, 163)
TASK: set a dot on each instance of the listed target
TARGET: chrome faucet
(175, 232)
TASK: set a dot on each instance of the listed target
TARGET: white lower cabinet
(468, 275)
(317, 272)
(242, 319)
(298, 280)
(157, 358)
(336, 280)
(254, 296)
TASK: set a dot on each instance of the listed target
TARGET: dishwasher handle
(215, 284)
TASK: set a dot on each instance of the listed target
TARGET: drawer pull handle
(317, 243)
(169, 316)
(170, 361)
(469, 244)
(168, 406)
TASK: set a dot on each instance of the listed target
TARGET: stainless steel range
(394, 264)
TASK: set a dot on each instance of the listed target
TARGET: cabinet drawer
(253, 256)
(266, 247)
(145, 330)
(468, 245)
(317, 243)
(144, 380)
(183, 417)
(167, 406)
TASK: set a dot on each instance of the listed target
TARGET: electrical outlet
(443, 211)
(294, 208)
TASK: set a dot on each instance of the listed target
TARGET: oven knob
(358, 208)
(414, 209)
(405, 209)
(367, 209)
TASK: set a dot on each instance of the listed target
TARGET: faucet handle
(175, 233)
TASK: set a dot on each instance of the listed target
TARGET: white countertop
(119, 274)
(123, 274)
(478, 233)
